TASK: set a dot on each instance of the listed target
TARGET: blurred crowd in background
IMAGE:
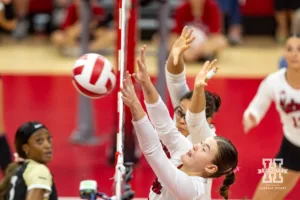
(217, 23)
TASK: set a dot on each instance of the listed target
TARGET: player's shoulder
(36, 165)
(278, 74)
(37, 176)
(201, 186)
(36, 168)
(275, 77)
(199, 183)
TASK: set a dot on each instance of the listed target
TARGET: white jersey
(173, 183)
(287, 100)
(198, 126)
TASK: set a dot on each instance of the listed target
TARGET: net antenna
(120, 170)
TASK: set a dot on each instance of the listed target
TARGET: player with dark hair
(30, 179)
(197, 127)
(184, 172)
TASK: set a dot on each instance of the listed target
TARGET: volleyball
(93, 76)
(200, 36)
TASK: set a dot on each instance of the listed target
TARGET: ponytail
(5, 182)
(224, 189)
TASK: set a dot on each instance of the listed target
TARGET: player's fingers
(189, 33)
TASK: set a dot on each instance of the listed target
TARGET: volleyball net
(126, 15)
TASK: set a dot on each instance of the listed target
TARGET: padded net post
(85, 125)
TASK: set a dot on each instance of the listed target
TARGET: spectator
(29, 9)
(296, 22)
(284, 13)
(7, 17)
(205, 17)
(231, 9)
(67, 37)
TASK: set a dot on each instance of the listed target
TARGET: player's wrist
(174, 52)
(136, 108)
(198, 88)
(146, 81)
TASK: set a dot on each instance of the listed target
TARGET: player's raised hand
(249, 122)
(182, 44)
(142, 76)
(205, 73)
(128, 92)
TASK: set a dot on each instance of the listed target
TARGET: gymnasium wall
(258, 8)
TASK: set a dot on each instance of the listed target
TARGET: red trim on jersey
(288, 107)
(156, 186)
(166, 150)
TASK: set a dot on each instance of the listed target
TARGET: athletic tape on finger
(210, 74)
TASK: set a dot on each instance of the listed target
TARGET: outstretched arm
(175, 67)
(196, 118)
(175, 62)
(157, 110)
(258, 106)
(130, 99)
(174, 180)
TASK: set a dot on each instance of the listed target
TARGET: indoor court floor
(37, 86)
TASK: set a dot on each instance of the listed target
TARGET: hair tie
(236, 169)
